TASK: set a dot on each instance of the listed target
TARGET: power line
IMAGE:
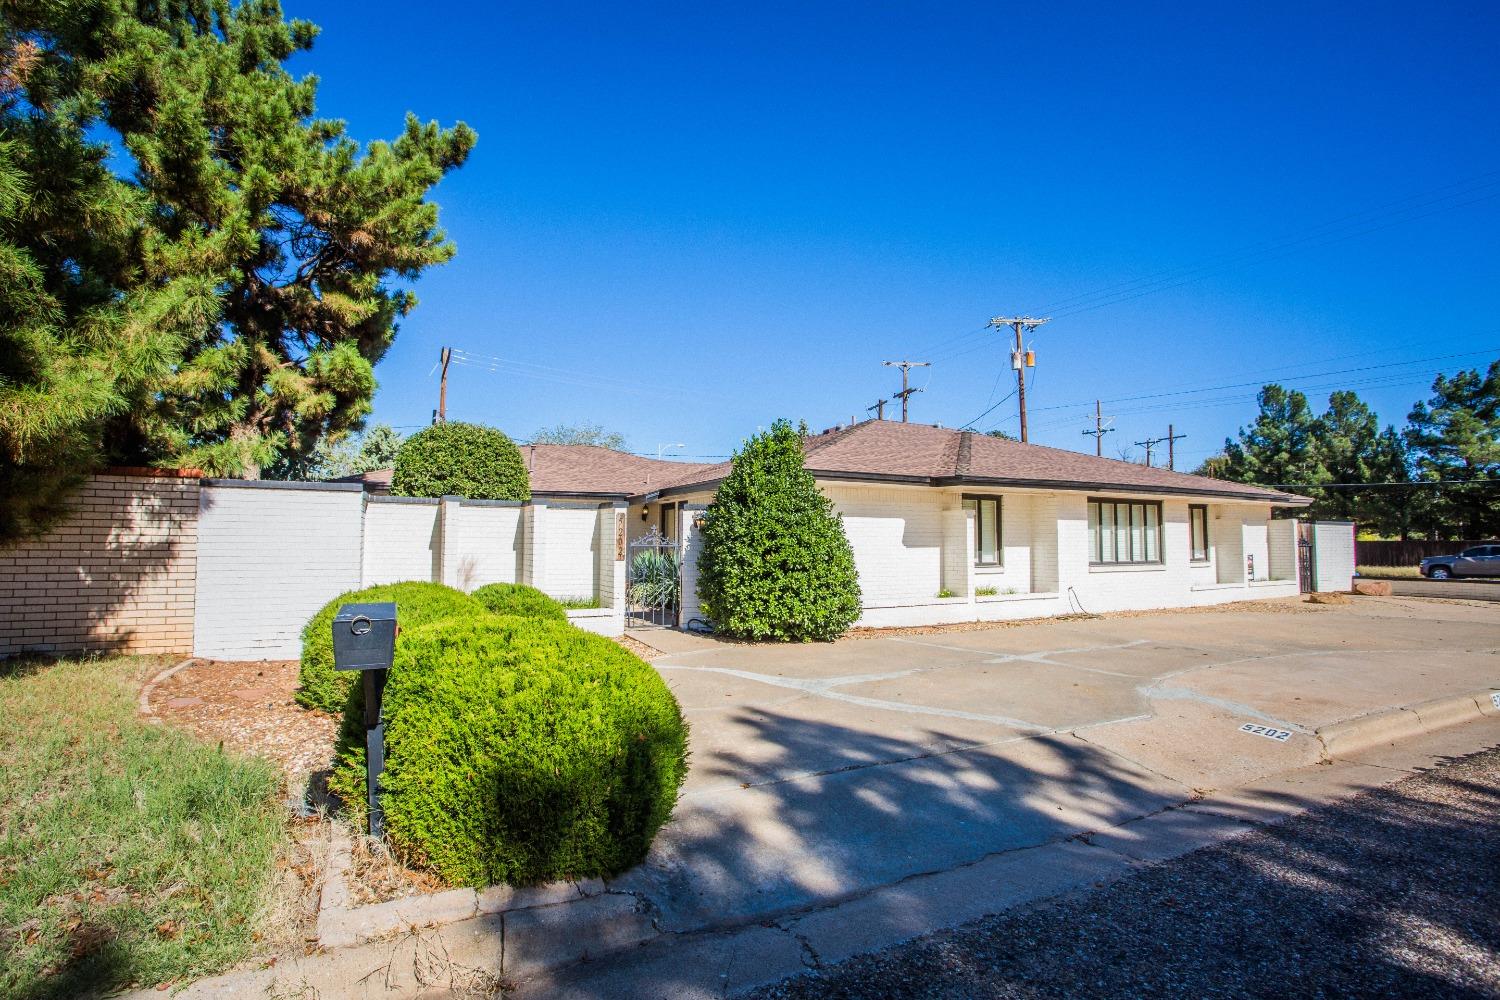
(1099, 430)
(1373, 219)
(906, 391)
(1020, 358)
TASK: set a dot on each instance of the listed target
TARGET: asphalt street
(1393, 893)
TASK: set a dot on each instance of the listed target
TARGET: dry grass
(1389, 572)
(130, 853)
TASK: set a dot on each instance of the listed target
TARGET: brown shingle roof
(892, 451)
(576, 470)
(589, 470)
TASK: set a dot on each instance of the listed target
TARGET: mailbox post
(364, 639)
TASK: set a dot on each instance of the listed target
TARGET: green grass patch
(578, 603)
(1390, 572)
(129, 853)
(985, 591)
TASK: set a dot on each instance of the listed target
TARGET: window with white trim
(987, 549)
(1124, 531)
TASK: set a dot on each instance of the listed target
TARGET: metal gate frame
(653, 581)
(1306, 554)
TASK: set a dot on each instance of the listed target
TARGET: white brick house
(1009, 530)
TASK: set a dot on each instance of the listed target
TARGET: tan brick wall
(118, 575)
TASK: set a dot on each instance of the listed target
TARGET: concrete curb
(342, 923)
(1353, 735)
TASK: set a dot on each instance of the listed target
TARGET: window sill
(995, 569)
(1002, 598)
(1127, 567)
(1200, 562)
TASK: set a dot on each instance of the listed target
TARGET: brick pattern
(572, 533)
(117, 576)
(403, 541)
(269, 557)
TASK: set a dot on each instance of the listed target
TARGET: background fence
(1407, 553)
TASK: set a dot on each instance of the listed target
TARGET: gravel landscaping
(1395, 893)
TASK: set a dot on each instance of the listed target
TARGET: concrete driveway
(821, 771)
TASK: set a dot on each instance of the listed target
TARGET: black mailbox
(364, 639)
(364, 636)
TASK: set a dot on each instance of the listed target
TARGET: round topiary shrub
(519, 751)
(458, 459)
(417, 603)
(775, 562)
(519, 600)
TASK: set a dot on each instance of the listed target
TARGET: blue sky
(684, 220)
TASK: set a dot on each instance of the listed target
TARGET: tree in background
(1279, 448)
(1344, 443)
(351, 455)
(223, 308)
(464, 460)
(1454, 437)
(594, 434)
(775, 562)
(1001, 434)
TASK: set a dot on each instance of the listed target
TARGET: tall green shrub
(775, 562)
(417, 603)
(519, 751)
(519, 600)
(457, 459)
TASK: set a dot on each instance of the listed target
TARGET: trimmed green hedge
(458, 459)
(775, 563)
(519, 600)
(417, 604)
(519, 751)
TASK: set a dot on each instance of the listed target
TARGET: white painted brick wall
(482, 543)
(402, 540)
(570, 538)
(268, 559)
(897, 536)
(1281, 540)
(1333, 555)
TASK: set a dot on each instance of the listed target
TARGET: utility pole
(879, 408)
(906, 367)
(1148, 444)
(1099, 430)
(442, 410)
(1172, 439)
(1020, 358)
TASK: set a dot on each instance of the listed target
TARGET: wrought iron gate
(653, 580)
(1304, 557)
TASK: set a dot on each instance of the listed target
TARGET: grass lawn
(578, 603)
(1389, 572)
(129, 853)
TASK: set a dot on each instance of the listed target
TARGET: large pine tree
(224, 305)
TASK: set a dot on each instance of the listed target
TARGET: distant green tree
(1454, 437)
(1279, 448)
(775, 562)
(594, 434)
(1001, 434)
(374, 448)
(1394, 511)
